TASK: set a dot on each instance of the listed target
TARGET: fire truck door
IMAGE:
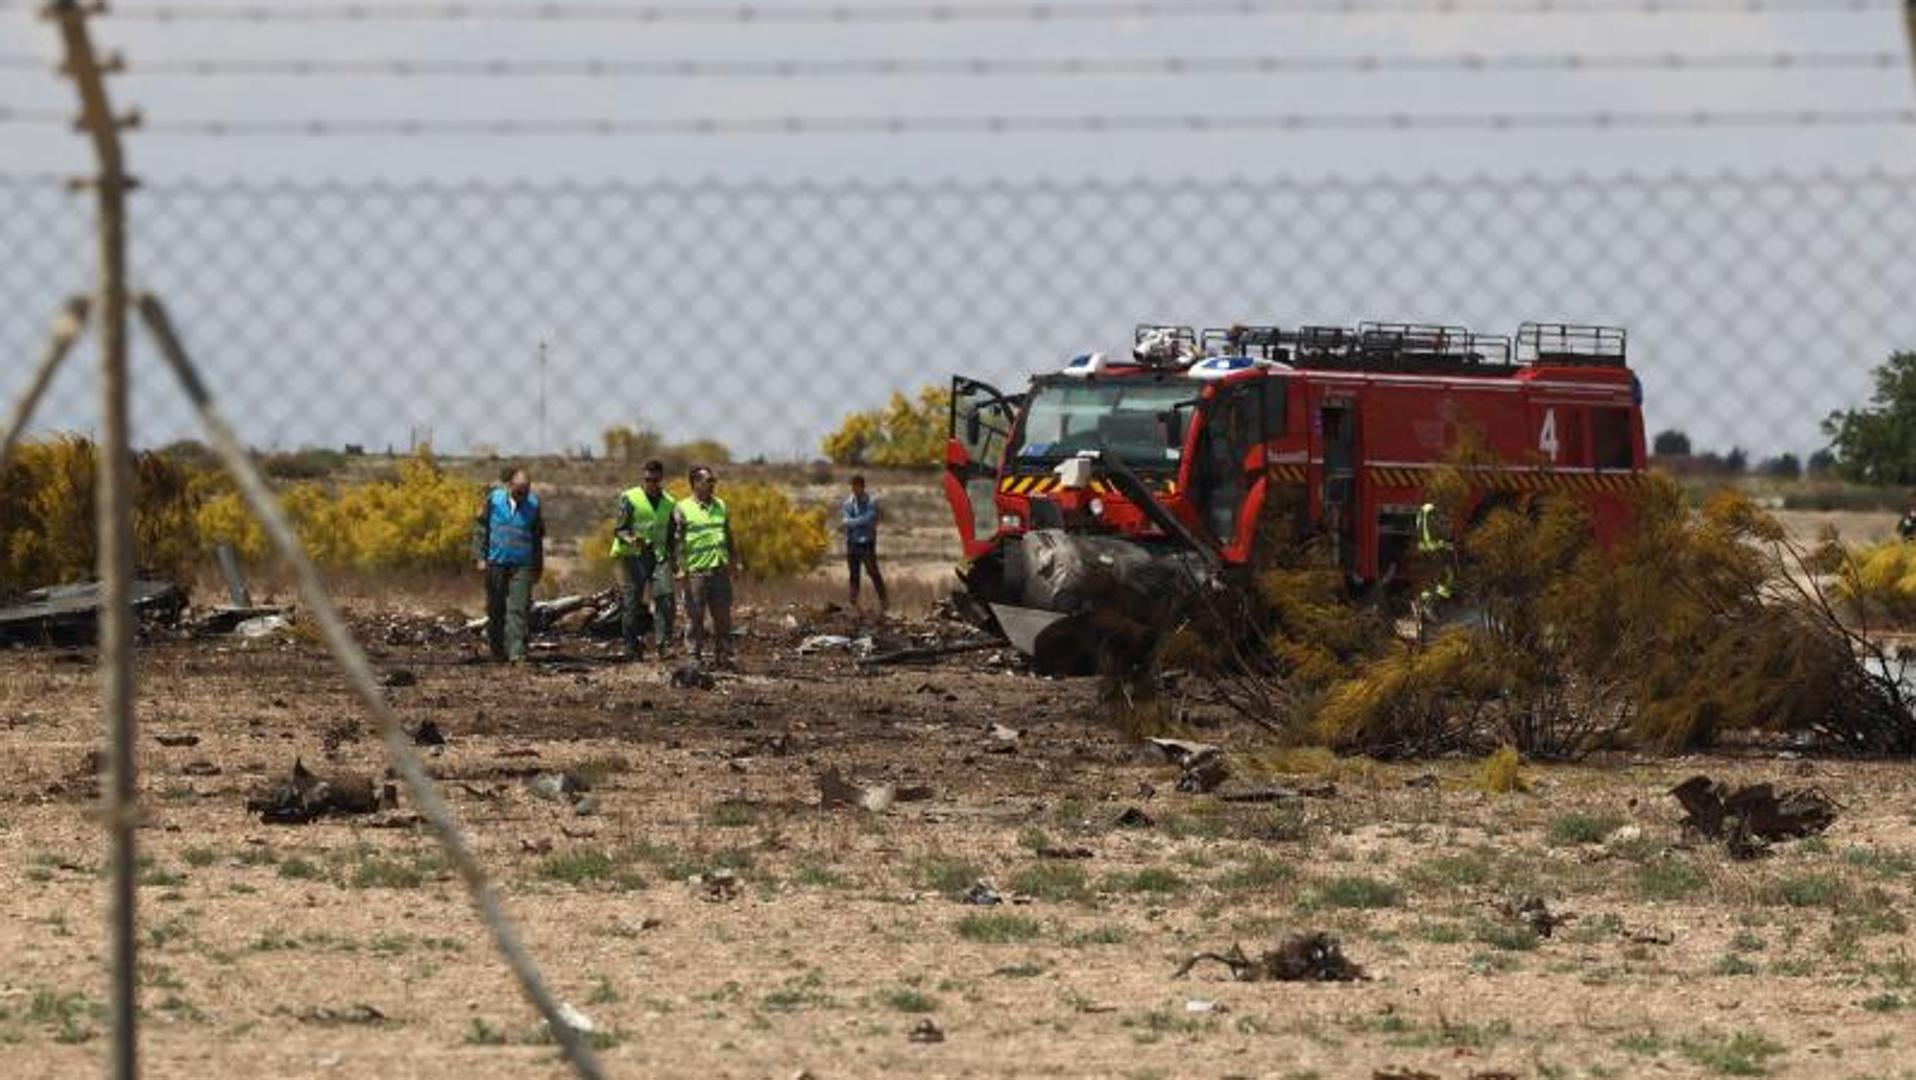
(980, 427)
(1338, 438)
(1233, 427)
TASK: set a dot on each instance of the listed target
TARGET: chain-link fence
(530, 318)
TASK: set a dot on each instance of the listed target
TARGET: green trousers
(508, 610)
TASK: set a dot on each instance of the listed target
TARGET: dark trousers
(508, 610)
(709, 592)
(635, 618)
(866, 556)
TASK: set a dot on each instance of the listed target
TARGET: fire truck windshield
(1143, 422)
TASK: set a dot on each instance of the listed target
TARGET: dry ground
(337, 948)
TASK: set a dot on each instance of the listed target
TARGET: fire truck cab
(1337, 430)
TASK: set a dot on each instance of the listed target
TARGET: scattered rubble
(926, 1032)
(261, 626)
(1133, 818)
(176, 740)
(715, 887)
(691, 677)
(1313, 957)
(428, 734)
(305, 796)
(1534, 913)
(982, 893)
(1749, 817)
(1049, 852)
(69, 614)
(567, 786)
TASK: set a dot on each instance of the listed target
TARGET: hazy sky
(174, 98)
(1757, 344)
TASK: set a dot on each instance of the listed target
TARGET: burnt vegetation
(1696, 625)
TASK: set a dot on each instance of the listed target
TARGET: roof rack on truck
(1570, 345)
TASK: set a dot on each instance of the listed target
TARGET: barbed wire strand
(994, 67)
(1701, 119)
(943, 13)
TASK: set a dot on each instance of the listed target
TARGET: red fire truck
(1150, 474)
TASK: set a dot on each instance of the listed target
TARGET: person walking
(509, 546)
(860, 521)
(705, 557)
(641, 541)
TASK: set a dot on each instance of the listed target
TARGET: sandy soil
(342, 947)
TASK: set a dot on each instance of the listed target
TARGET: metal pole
(66, 331)
(114, 498)
(1909, 20)
(359, 676)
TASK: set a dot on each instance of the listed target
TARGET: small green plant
(603, 993)
(909, 1001)
(998, 929)
(1572, 829)
(1819, 889)
(1152, 879)
(300, 869)
(1354, 891)
(814, 876)
(1052, 881)
(1741, 1053)
(1668, 879)
(1886, 1003)
(1260, 873)
(578, 867)
(1512, 937)
(1643, 1044)
(948, 876)
(481, 1033)
(386, 874)
(1733, 964)
(199, 857)
(732, 814)
(1098, 935)
(805, 992)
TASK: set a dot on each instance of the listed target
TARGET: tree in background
(640, 443)
(1877, 444)
(1670, 444)
(1782, 467)
(906, 432)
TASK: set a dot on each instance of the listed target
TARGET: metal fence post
(113, 500)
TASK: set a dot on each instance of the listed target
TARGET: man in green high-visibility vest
(641, 541)
(706, 557)
(1436, 551)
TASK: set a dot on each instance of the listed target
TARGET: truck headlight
(1011, 521)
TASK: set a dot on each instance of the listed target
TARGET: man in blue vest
(641, 541)
(859, 517)
(509, 545)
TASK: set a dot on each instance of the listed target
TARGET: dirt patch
(712, 920)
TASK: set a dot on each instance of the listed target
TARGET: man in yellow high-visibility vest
(641, 541)
(1436, 552)
(706, 557)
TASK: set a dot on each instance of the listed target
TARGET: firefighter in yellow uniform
(641, 541)
(705, 557)
(1433, 549)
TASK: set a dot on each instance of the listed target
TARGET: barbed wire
(993, 67)
(760, 312)
(1090, 124)
(841, 14)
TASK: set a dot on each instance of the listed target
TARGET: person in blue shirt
(509, 546)
(860, 521)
